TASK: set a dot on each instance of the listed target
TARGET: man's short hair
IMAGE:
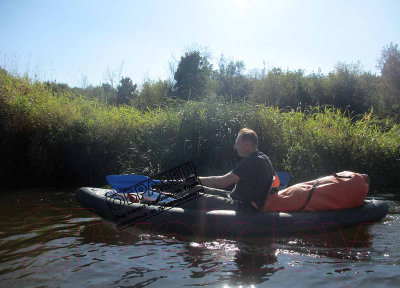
(249, 135)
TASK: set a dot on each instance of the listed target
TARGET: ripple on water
(106, 259)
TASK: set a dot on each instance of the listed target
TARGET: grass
(67, 139)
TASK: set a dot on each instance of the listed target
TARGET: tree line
(348, 86)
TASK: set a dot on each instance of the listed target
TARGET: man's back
(255, 173)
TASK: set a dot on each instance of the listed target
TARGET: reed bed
(61, 138)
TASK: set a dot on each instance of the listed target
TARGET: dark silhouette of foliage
(231, 80)
(125, 91)
(110, 93)
(57, 88)
(192, 76)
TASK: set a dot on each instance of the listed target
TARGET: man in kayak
(254, 177)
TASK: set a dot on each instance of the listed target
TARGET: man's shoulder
(262, 161)
(256, 159)
(260, 155)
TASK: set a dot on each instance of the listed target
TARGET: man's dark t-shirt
(255, 173)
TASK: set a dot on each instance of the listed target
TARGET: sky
(75, 42)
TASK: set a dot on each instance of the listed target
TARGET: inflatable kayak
(115, 207)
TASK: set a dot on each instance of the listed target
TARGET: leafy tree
(192, 76)
(3, 71)
(389, 88)
(125, 91)
(342, 87)
(268, 88)
(77, 91)
(152, 94)
(95, 92)
(389, 63)
(110, 93)
(231, 80)
(57, 88)
(369, 86)
(294, 91)
(315, 87)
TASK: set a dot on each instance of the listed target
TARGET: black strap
(310, 194)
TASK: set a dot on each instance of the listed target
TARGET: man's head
(246, 142)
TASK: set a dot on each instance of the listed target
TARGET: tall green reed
(63, 138)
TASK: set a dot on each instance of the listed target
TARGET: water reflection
(254, 261)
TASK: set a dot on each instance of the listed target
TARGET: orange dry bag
(339, 191)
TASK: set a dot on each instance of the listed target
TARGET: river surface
(47, 240)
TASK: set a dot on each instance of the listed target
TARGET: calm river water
(46, 240)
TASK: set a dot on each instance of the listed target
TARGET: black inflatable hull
(232, 224)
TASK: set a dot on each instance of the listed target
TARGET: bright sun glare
(241, 3)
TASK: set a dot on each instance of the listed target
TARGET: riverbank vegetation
(310, 125)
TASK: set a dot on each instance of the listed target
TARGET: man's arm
(220, 181)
